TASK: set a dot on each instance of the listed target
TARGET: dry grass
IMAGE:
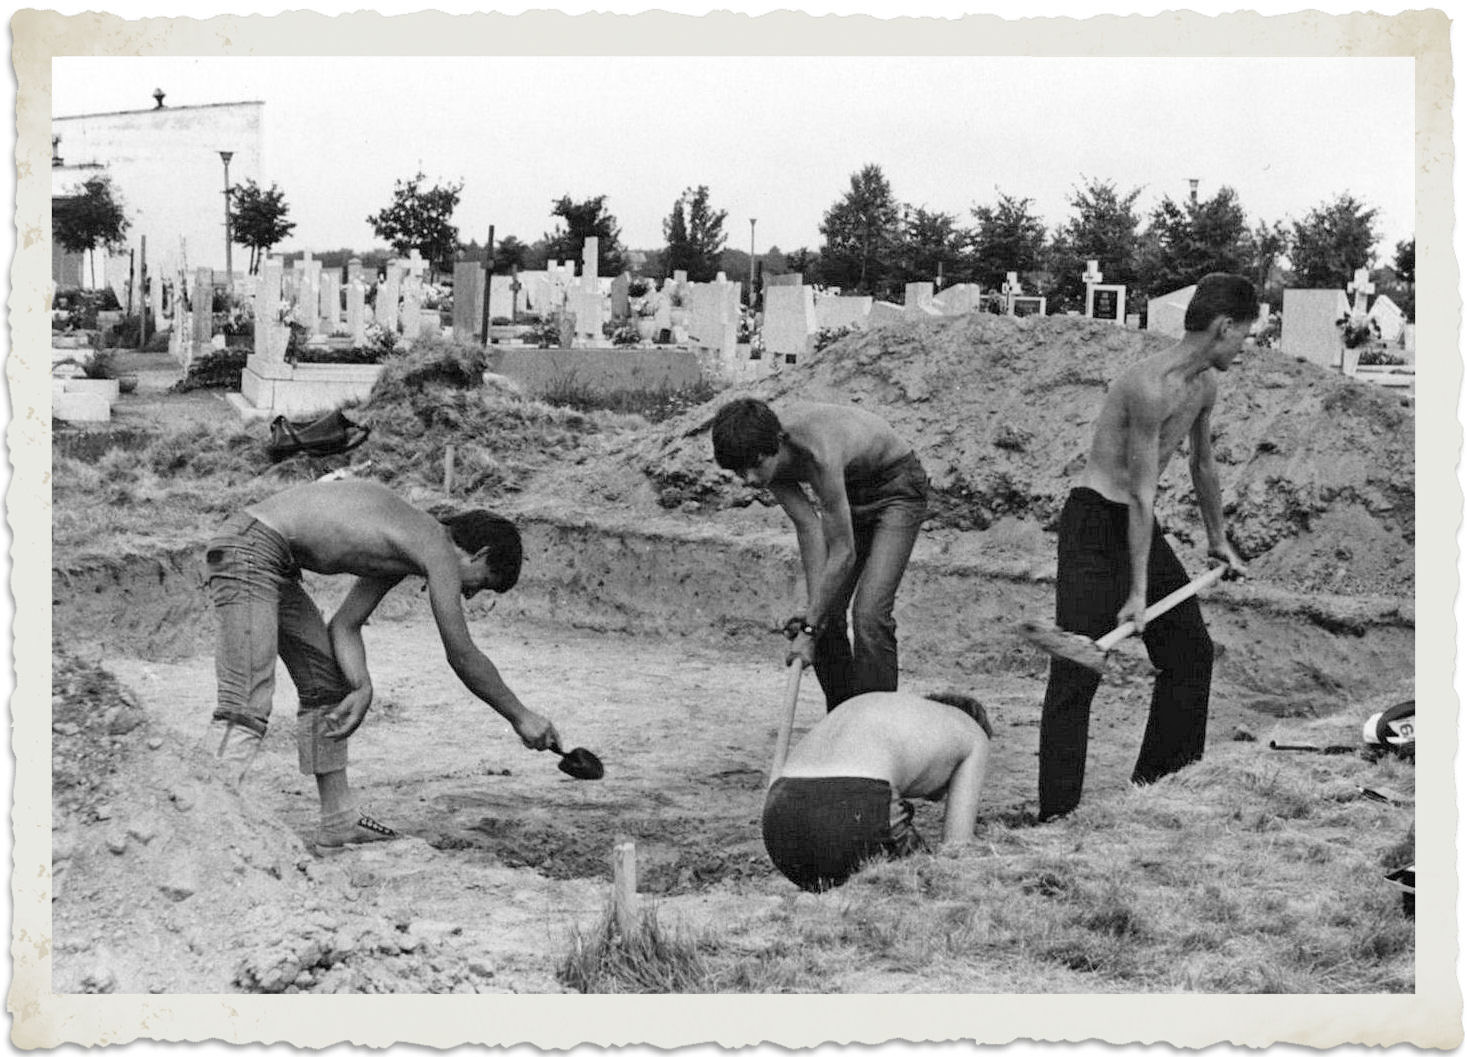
(652, 960)
(1242, 874)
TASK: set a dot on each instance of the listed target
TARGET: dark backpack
(331, 434)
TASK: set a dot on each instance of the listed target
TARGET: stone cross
(1361, 287)
(415, 265)
(1092, 273)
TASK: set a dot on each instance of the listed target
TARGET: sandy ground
(503, 855)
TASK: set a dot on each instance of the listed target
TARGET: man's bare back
(1168, 391)
(356, 527)
(840, 439)
(909, 742)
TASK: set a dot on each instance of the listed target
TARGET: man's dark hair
(744, 431)
(473, 530)
(964, 703)
(1220, 294)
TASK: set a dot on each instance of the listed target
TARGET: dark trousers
(859, 656)
(1091, 584)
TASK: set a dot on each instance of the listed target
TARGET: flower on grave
(1357, 330)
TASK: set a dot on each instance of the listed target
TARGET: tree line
(872, 242)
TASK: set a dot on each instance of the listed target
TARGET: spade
(580, 763)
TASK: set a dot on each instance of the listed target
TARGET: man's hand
(792, 626)
(343, 720)
(802, 650)
(1224, 553)
(536, 731)
(1135, 611)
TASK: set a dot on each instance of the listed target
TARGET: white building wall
(165, 165)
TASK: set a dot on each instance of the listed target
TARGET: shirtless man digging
(253, 572)
(873, 497)
(840, 798)
(1113, 561)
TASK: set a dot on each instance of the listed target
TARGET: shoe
(348, 828)
(235, 745)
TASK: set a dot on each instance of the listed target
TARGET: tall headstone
(203, 315)
(389, 291)
(919, 300)
(586, 303)
(155, 299)
(468, 301)
(713, 321)
(308, 304)
(356, 303)
(959, 299)
(621, 304)
(789, 321)
(412, 295)
(269, 293)
(331, 300)
(1311, 325)
(1166, 315)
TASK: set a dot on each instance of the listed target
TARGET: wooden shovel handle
(1157, 608)
(786, 719)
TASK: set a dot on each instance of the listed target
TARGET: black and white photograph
(565, 505)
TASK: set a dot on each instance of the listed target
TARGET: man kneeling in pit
(253, 573)
(841, 797)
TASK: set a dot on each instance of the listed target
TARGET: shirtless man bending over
(872, 495)
(1113, 561)
(840, 798)
(253, 571)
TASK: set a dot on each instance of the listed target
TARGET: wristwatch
(807, 628)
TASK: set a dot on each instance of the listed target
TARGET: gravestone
(621, 304)
(468, 301)
(959, 299)
(308, 304)
(1388, 317)
(412, 296)
(1028, 305)
(331, 300)
(919, 300)
(585, 297)
(356, 303)
(203, 315)
(1106, 301)
(1311, 330)
(271, 335)
(789, 321)
(1361, 287)
(389, 292)
(713, 321)
(1166, 315)
(155, 298)
(884, 312)
(833, 312)
(784, 279)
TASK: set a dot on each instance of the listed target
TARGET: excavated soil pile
(1317, 469)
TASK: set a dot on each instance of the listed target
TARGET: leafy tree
(583, 220)
(1405, 260)
(420, 218)
(1102, 228)
(510, 254)
(1008, 237)
(928, 244)
(258, 218)
(694, 234)
(804, 262)
(1186, 241)
(1334, 239)
(93, 218)
(1270, 243)
(860, 231)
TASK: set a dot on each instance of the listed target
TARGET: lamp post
(228, 234)
(752, 222)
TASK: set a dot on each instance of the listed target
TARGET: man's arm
(345, 630)
(1143, 459)
(808, 532)
(474, 669)
(963, 791)
(1209, 493)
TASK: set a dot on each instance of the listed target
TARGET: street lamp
(228, 234)
(752, 222)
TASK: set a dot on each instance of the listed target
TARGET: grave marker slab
(1310, 328)
(468, 301)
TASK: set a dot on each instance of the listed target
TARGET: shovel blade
(582, 763)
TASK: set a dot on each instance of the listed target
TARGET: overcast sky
(949, 132)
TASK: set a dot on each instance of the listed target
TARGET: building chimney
(1193, 184)
(158, 95)
(55, 152)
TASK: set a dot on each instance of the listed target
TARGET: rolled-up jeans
(887, 512)
(262, 612)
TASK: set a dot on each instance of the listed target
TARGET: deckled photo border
(1429, 1018)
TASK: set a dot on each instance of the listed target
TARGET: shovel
(1094, 653)
(580, 763)
(786, 720)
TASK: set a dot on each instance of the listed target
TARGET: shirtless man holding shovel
(253, 573)
(1113, 561)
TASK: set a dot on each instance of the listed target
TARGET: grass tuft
(652, 960)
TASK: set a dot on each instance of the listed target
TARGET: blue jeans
(860, 656)
(263, 613)
(1092, 582)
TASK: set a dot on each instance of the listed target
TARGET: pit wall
(1279, 654)
(600, 370)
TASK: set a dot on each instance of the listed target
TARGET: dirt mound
(1317, 470)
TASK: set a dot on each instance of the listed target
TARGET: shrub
(128, 334)
(826, 336)
(219, 369)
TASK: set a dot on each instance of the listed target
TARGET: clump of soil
(1317, 469)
